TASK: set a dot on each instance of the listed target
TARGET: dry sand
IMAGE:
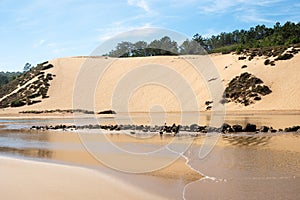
(34, 180)
(283, 80)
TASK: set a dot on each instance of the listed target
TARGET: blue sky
(37, 30)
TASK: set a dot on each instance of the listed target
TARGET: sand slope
(33, 180)
(120, 75)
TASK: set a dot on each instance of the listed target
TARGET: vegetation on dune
(245, 89)
(236, 41)
(23, 89)
(6, 77)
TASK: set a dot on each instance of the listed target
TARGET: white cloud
(221, 6)
(39, 43)
(253, 16)
(256, 19)
(216, 6)
(141, 4)
(114, 30)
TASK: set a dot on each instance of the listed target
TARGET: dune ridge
(282, 79)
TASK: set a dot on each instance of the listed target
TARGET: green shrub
(47, 67)
(17, 103)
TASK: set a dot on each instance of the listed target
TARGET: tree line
(163, 46)
(256, 37)
(6, 77)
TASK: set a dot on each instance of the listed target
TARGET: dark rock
(194, 127)
(237, 128)
(292, 129)
(264, 129)
(250, 128)
(226, 128)
(107, 112)
(244, 66)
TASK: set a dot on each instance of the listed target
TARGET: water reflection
(247, 140)
(27, 152)
(264, 163)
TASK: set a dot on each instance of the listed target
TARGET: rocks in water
(250, 128)
(273, 130)
(245, 89)
(226, 128)
(107, 112)
(264, 129)
(237, 128)
(193, 129)
(292, 129)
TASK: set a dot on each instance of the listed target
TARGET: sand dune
(130, 84)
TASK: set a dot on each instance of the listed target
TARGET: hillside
(282, 79)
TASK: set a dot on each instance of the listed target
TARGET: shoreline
(60, 181)
(7, 113)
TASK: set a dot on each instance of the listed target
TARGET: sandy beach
(83, 177)
(23, 179)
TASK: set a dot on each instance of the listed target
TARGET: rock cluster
(245, 89)
(174, 129)
(66, 111)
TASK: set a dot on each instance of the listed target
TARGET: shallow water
(275, 120)
(244, 166)
(249, 167)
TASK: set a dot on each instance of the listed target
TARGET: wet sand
(67, 148)
(263, 165)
